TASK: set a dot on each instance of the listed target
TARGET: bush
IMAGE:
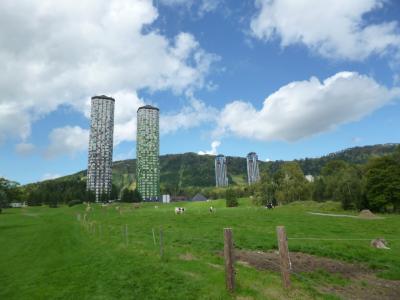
(131, 196)
(74, 202)
(231, 199)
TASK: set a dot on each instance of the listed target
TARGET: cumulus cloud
(332, 28)
(214, 149)
(67, 140)
(25, 148)
(305, 108)
(9, 112)
(203, 6)
(126, 106)
(63, 52)
(191, 115)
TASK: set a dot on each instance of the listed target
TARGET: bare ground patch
(361, 282)
(187, 256)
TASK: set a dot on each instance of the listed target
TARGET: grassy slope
(47, 254)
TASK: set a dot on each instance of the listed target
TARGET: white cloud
(202, 6)
(126, 106)
(192, 115)
(49, 176)
(64, 52)
(25, 148)
(214, 149)
(9, 112)
(332, 28)
(67, 140)
(305, 108)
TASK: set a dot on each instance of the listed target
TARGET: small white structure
(309, 178)
(17, 204)
(166, 198)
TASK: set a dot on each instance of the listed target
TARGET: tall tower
(147, 153)
(221, 178)
(99, 172)
(253, 174)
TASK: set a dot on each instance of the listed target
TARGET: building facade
(147, 153)
(221, 177)
(253, 174)
(99, 173)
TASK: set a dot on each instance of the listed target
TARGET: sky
(285, 79)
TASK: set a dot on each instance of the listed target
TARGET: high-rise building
(221, 178)
(99, 173)
(253, 174)
(147, 153)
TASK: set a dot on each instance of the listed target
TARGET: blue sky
(286, 79)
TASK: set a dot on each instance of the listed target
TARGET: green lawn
(47, 253)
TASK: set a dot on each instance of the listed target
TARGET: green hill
(193, 170)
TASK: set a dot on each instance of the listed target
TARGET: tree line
(374, 185)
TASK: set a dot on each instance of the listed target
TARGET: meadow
(59, 253)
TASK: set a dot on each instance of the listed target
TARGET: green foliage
(349, 190)
(130, 196)
(74, 202)
(383, 183)
(189, 173)
(9, 191)
(231, 198)
(264, 191)
(291, 184)
(114, 192)
(3, 200)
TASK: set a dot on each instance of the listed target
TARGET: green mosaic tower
(147, 153)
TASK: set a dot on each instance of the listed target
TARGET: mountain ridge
(193, 170)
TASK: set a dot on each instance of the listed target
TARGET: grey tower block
(99, 174)
(221, 178)
(253, 174)
(147, 153)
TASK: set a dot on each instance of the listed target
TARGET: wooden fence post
(154, 237)
(126, 234)
(229, 260)
(161, 243)
(283, 255)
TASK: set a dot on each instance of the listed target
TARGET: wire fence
(164, 241)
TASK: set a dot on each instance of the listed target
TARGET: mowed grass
(48, 253)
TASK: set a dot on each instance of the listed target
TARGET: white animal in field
(212, 209)
(179, 210)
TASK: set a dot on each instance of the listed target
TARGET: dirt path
(332, 215)
(357, 281)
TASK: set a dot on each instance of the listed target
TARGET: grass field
(47, 253)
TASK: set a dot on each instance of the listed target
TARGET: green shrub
(74, 202)
(231, 199)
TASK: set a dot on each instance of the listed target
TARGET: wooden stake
(154, 237)
(126, 234)
(284, 256)
(161, 243)
(229, 260)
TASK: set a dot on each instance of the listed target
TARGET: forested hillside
(185, 174)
